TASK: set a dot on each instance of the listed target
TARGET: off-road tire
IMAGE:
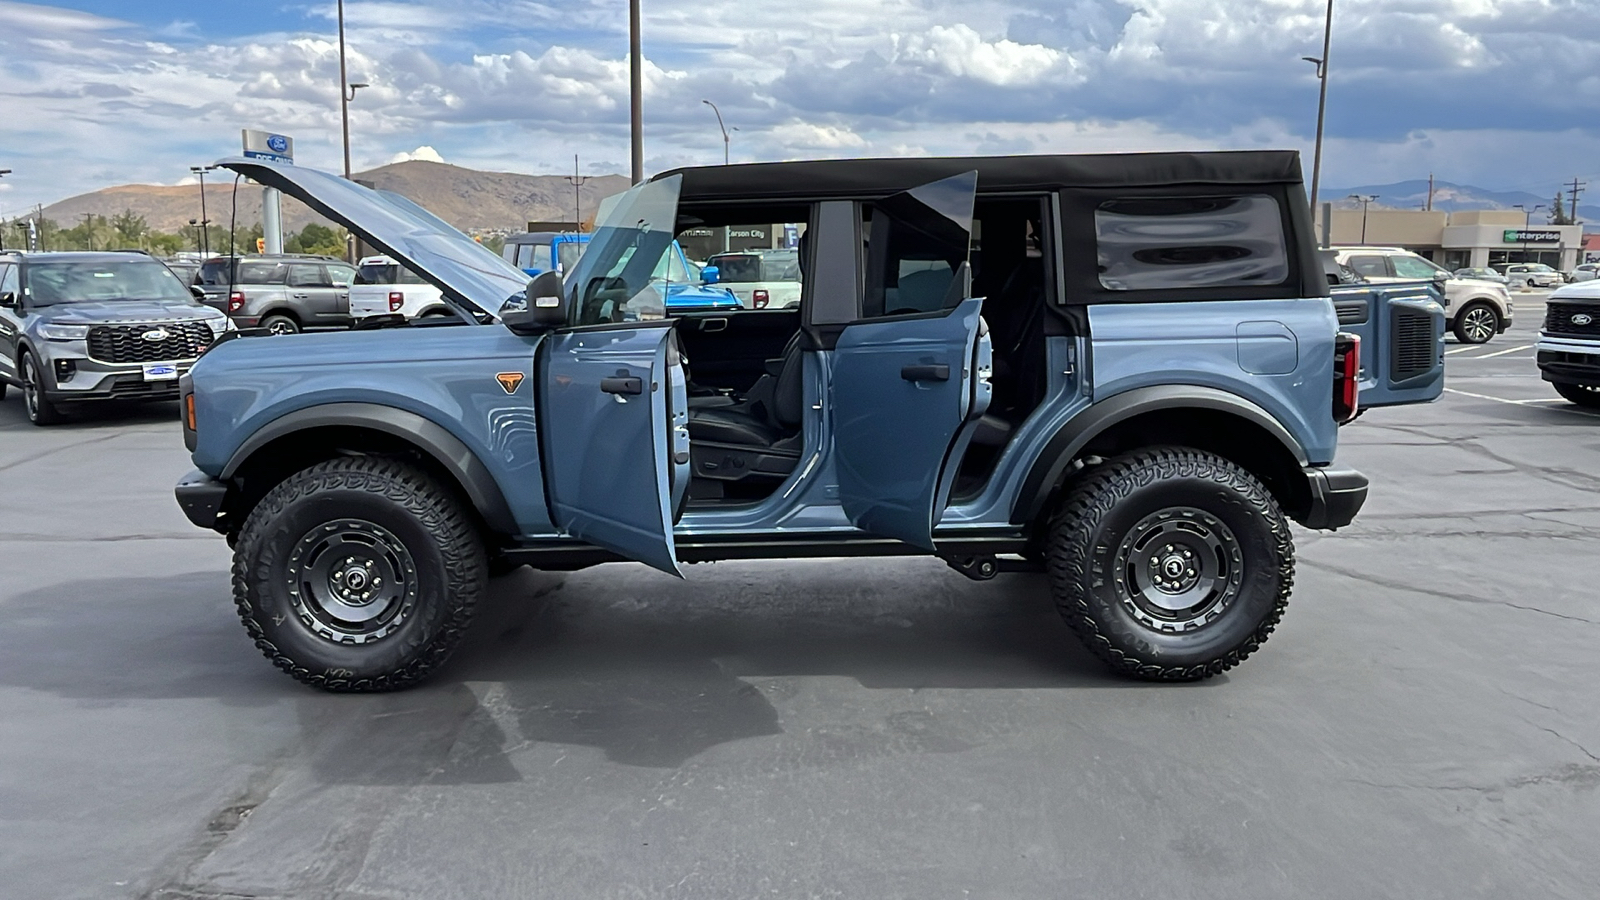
(400, 501)
(1585, 395)
(277, 323)
(34, 402)
(1089, 532)
(1476, 323)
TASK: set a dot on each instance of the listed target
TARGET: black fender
(428, 436)
(1052, 462)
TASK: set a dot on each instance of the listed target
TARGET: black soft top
(869, 177)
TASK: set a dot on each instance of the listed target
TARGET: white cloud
(960, 51)
(424, 153)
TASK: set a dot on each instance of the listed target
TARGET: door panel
(902, 389)
(609, 441)
(730, 350)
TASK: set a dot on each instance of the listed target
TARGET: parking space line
(1581, 412)
(1461, 349)
(1503, 352)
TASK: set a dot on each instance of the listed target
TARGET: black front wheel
(1585, 395)
(358, 574)
(1476, 323)
(40, 410)
(280, 324)
(1171, 564)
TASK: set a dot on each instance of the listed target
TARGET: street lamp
(3, 173)
(635, 91)
(1363, 199)
(347, 93)
(205, 220)
(1527, 225)
(721, 126)
(195, 225)
(1322, 102)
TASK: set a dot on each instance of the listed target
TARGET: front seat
(759, 436)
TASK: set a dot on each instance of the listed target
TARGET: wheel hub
(351, 581)
(1178, 569)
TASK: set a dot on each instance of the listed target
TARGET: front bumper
(201, 497)
(91, 379)
(1336, 497)
(1568, 361)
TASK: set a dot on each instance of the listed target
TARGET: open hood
(470, 275)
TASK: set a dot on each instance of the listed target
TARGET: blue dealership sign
(268, 146)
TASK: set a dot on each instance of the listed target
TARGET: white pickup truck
(384, 287)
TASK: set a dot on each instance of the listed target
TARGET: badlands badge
(509, 380)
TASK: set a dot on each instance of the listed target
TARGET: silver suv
(1475, 310)
(97, 326)
(283, 294)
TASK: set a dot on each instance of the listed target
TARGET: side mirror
(198, 292)
(542, 307)
(710, 274)
(8, 300)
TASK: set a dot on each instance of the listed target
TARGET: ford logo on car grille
(156, 334)
(1582, 319)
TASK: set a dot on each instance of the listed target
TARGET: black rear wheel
(1171, 564)
(1586, 395)
(358, 574)
(280, 324)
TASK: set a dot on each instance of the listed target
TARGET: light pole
(721, 126)
(3, 173)
(1364, 199)
(1527, 225)
(635, 90)
(1322, 102)
(347, 93)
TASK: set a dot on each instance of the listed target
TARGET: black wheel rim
(30, 387)
(351, 581)
(280, 326)
(1178, 570)
(1478, 324)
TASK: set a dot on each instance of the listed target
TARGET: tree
(1558, 214)
(130, 229)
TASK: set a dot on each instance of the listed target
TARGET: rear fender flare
(428, 436)
(1052, 462)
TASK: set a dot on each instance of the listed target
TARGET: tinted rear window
(1168, 243)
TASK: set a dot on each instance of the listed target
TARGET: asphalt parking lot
(1424, 724)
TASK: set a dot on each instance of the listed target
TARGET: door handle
(302, 296)
(618, 384)
(925, 373)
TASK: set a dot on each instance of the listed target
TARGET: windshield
(55, 283)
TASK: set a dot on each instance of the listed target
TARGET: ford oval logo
(156, 334)
(278, 143)
(1582, 319)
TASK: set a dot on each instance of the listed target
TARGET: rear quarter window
(1176, 243)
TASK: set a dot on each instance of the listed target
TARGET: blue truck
(1134, 382)
(536, 252)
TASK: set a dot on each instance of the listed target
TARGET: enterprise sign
(1529, 236)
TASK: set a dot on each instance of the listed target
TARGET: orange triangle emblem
(510, 381)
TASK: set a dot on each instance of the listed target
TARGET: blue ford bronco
(1125, 370)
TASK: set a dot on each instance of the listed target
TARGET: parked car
(283, 294)
(1568, 352)
(1148, 390)
(384, 287)
(1483, 273)
(761, 279)
(187, 271)
(545, 251)
(1533, 275)
(77, 326)
(1584, 272)
(1477, 310)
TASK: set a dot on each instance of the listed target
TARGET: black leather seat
(758, 436)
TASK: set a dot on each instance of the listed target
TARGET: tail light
(760, 298)
(396, 300)
(1346, 377)
(235, 301)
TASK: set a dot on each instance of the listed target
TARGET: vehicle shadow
(650, 670)
(92, 415)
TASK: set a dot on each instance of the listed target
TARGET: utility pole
(205, 220)
(1429, 207)
(576, 181)
(3, 173)
(88, 229)
(1574, 191)
(1322, 100)
(635, 90)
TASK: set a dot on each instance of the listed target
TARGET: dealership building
(1474, 237)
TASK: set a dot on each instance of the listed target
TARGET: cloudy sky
(1504, 94)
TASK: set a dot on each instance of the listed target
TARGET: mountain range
(476, 201)
(471, 200)
(1450, 197)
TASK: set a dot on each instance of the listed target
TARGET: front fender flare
(432, 438)
(1052, 462)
